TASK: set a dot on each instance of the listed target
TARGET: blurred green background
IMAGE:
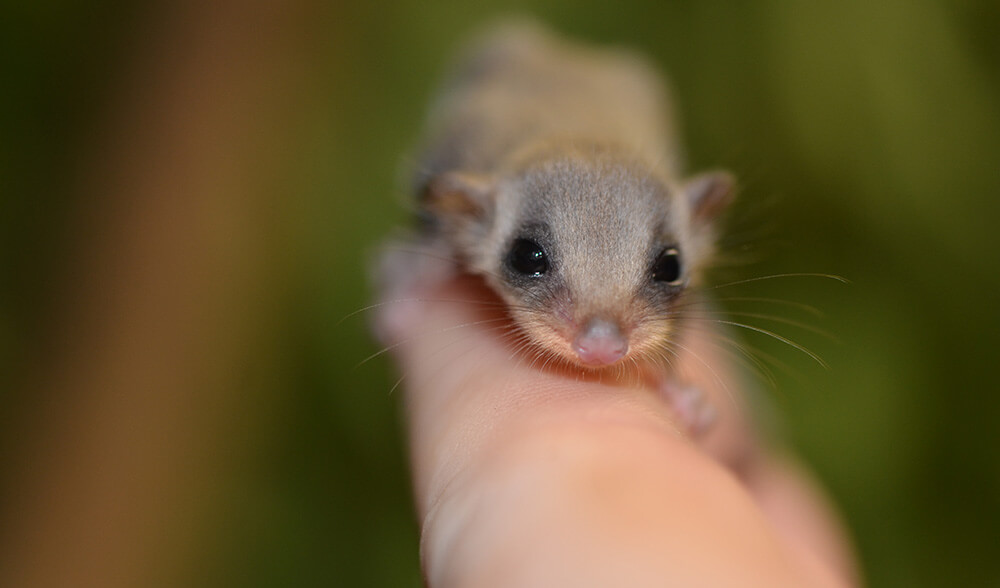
(867, 138)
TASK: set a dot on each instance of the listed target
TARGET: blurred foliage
(866, 133)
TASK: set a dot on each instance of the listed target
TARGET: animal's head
(591, 252)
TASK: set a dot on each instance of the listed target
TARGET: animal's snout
(600, 343)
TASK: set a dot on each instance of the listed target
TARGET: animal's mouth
(600, 344)
(596, 343)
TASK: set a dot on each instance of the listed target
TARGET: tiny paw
(691, 404)
(405, 267)
(404, 271)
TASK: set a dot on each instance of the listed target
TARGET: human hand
(529, 476)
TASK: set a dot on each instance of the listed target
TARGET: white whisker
(834, 277)
(776, 336)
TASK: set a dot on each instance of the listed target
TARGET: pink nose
(600, 343)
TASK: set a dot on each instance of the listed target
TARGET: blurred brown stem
(160, 304)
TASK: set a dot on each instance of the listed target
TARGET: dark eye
(528, 258)
(667, 267)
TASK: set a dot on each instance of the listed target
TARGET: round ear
(459, 196)
(709, 194)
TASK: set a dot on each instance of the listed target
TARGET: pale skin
(545, 477)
